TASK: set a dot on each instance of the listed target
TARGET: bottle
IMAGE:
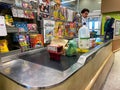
(84, 37)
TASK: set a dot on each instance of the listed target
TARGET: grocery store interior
(59, 45)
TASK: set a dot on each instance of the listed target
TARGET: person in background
(84, 15)
(80, 19)
(108, 28)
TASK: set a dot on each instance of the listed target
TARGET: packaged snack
(3, 46)
(32, 27)
(72, 29)
(23, 43)
(44, 8)
(20, 13)
(14, 12)
(44, 1)
(70, 15)
(59, 29)
(63, 11)
(55, 51)
(67, 29)
(22, 26)
(9, 20)
(48, 30)
(25, 5)
(34, 3)
(18, 3)
(51, 10)
(45, 16)
(36, 40)
(57, 1)
(29, 14)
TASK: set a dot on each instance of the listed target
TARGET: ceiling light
(99, 2)
(67, 1)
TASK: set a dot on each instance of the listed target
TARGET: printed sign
(3, 31)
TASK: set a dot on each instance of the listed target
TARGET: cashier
(84, 15)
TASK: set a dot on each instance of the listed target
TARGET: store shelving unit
(12, 29)
(7, 1)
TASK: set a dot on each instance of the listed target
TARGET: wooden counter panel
(110, 6)
(98, 80)
(116, 44)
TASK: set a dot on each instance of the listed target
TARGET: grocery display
(49, 26)
(36, 40)
(4, 46)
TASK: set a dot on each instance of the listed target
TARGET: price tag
(3, 31)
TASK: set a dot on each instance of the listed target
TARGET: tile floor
(113, 80)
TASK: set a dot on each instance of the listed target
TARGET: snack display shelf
(12, 29)
(34, 10)
(7, 1)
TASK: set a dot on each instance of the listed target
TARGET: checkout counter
(33, 70)
(116, 43)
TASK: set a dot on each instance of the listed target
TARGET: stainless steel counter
(31, 72)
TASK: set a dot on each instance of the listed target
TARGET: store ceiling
(69, 3)
(91, 4)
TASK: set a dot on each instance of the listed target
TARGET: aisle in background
(113, 80)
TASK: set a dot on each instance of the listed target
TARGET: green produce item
(72, 48)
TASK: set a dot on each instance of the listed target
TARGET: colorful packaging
(59, 29)
(72, 29)
(55, 51)
(14, 12)
(48, 30)
(64, 12)
(20, 13)
(70, 15)
(55, 48)
(23, 43)
(22, 26)
(58, 12)
(29, 14)
(72, 48)
(45, 15)
(9, 20)
(3, 46)
(32, 27)
(34, 4)
(44, 6)
(18, 3)
(57, 1)
(25, 5)
(36, 40)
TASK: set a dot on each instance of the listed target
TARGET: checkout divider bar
(83, 58)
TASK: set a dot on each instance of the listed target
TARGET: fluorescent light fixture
(67, 1)
(99, 2)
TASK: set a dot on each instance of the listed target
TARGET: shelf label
(3, 31)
